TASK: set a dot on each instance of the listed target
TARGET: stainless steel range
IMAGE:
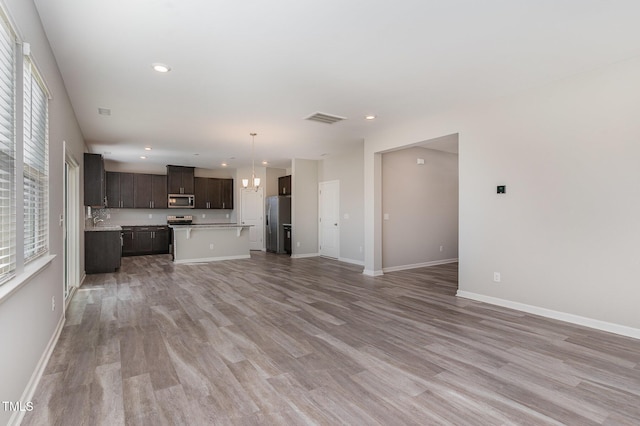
(179, 220)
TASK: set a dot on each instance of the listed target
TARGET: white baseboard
(302, 256)
(372, 273)
(622, 330)
(30, 390)
(419, 265)
(212, 259)
(351, 261)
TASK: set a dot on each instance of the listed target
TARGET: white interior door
(252, 213)
(329, 205)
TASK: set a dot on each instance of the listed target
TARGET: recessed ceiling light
(224, 164)
(264, 163)
(143, 157)
(147, 148)
(370, 117)
(104, 111)
(161, 67)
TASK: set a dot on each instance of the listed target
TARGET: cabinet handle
(223, 204)
(153, 204)
(284, 190)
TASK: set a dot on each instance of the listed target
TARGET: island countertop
(209, 225)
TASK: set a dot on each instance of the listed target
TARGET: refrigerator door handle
(268, 216)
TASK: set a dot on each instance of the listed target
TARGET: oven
(177, 220)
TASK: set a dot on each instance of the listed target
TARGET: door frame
(337, 202)
(71, 223)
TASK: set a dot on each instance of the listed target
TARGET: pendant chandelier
(255, 181)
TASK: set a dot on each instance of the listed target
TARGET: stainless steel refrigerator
(278, 213)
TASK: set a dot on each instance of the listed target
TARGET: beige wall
(348, 169)
(271, 187)
(563, 237)
(26, 319)
(419, 207)
(304, 208)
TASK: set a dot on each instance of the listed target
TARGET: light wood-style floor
(270, 340)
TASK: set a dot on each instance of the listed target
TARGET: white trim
(30, 390)
(351, 261)
(30, 270)
(302, 256)
(373, 273)
(212, 259)
(419, 265)
(557, 315)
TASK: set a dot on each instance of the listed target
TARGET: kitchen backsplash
(159, 216)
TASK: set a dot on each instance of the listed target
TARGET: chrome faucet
(96, 220)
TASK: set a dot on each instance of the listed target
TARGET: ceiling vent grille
(321, 117)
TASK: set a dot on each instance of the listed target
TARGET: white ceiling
(262, 66)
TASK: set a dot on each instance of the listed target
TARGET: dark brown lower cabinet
(102, 251)
(138, 240)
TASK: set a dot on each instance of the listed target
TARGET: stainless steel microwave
(181, 201)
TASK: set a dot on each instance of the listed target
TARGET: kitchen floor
(275, 340)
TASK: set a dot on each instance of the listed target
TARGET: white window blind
(36, 164)
(7, 152)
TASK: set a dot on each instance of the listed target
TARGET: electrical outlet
(298, 244)
(496, 277)
(53, 303)
(360, 249)
(211, 246)
(441, 248)
(204, 215)
(150, 216)
(227, 215)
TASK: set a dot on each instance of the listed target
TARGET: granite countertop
(104, 228)
(211, 225)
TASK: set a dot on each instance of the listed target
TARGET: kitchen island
(210, 242)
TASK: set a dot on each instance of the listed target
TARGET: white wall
(26, 319)
(304, 208)
(420, 208)
(348, 169)
(565, 235)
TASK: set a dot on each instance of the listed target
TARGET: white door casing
(252, 213)
(329, 217)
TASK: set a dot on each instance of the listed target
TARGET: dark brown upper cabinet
(284, 185)
(120, 190)
(213, 193)
(180, 180)
(227, 193)
(150, 191)
(94, 180)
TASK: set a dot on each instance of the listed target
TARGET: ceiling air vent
(321, 117)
